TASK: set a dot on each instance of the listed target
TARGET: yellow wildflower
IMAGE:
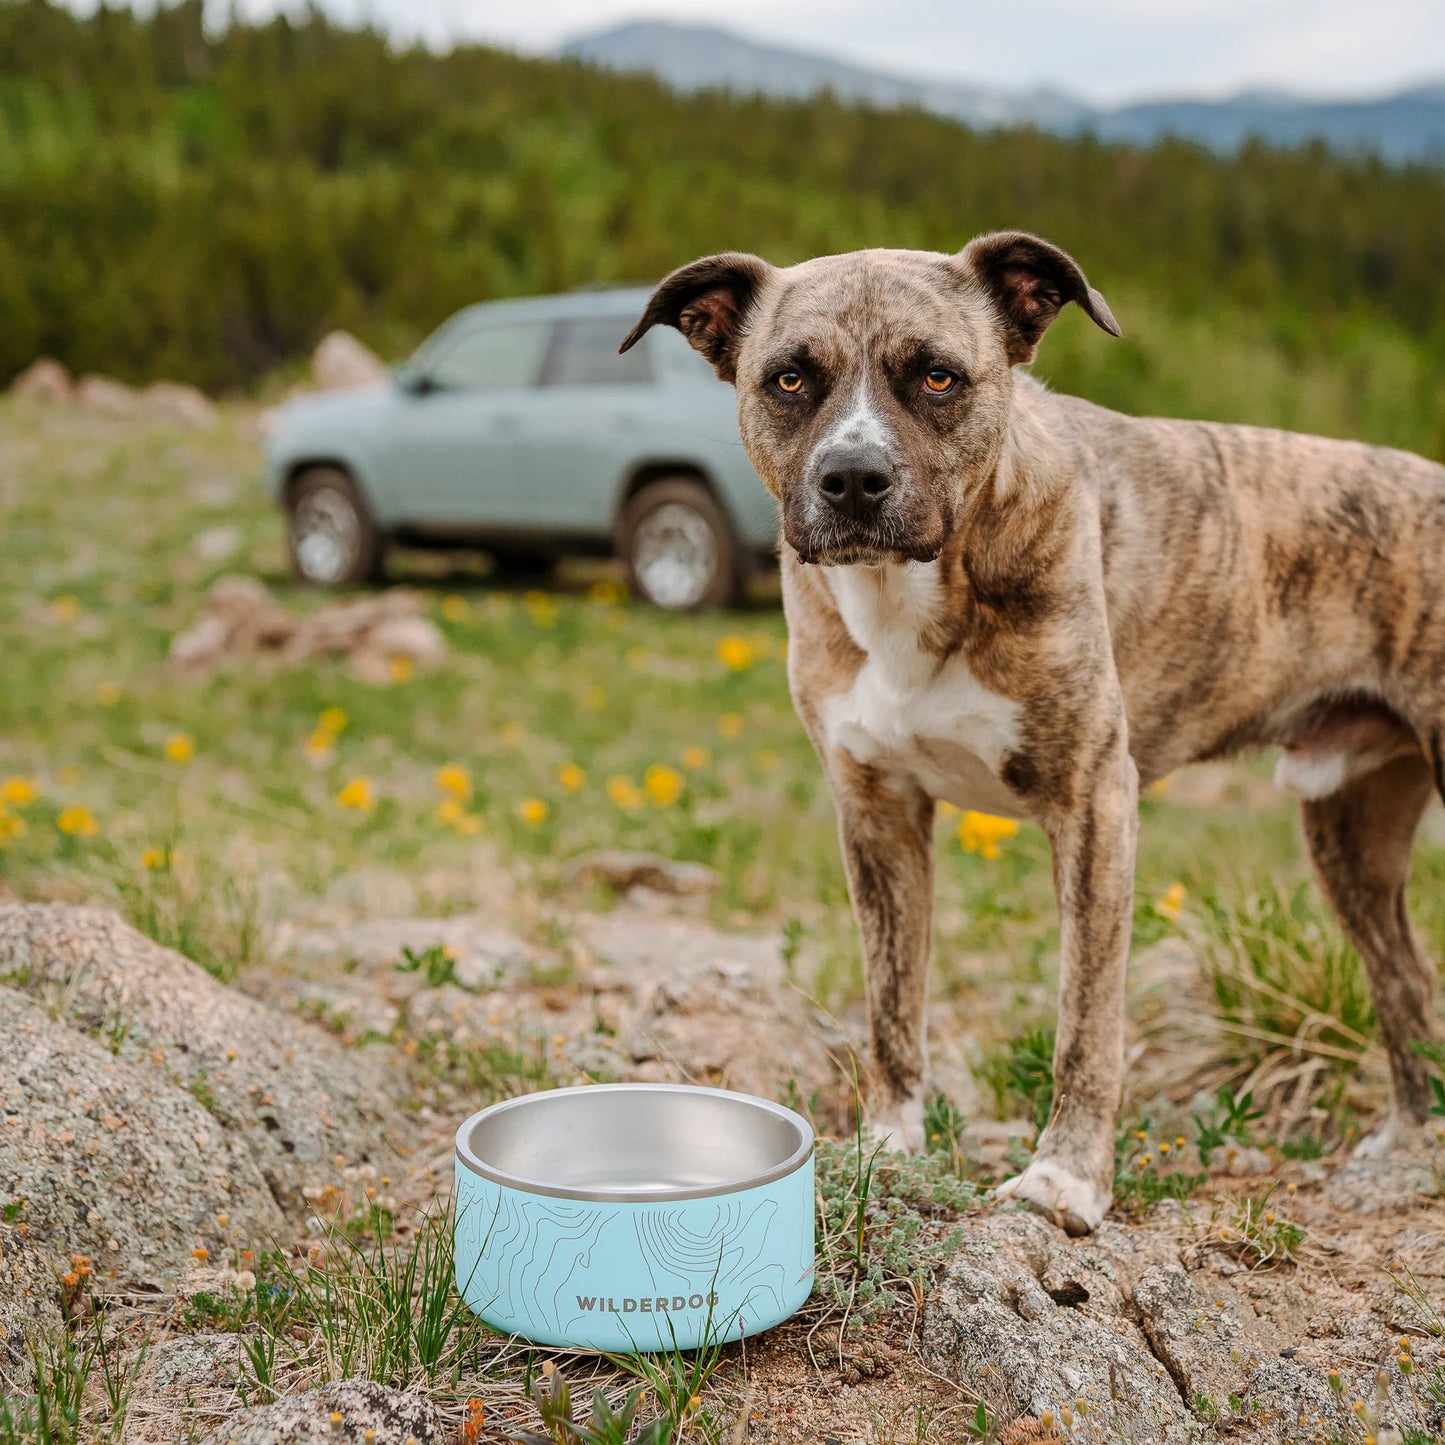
(333, 720)
(730, 724)
(572, 777)
(625, 793)
(454, 780)
(541, 608)
(533, 812)
(357, 794)
(695, 757)
(454, 608)
(735, 653)
(19, 792)
(1171, 904)
(399, 668)
(513, 733)
(77, 822)
(65, 607)
(320, 745)
(663, 784)
(10, 827)
(107, 694)
(981, 833)
(593, 699)
(155, 858)
(180, 748)
(1159, 786)
(607, 593)
(449, 810)
(468, 825)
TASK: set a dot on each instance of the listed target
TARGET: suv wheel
(332, 539)
(679, 549)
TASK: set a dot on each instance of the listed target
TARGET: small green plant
(1021, 1075)
(1259, 1235)
(791, 1097)
(1232, 1119)
(11, 1211)
(438, 964)
(943, 1126)
(200, 1087)
(606, 1426)
(980, 1425)
(1307, 1146)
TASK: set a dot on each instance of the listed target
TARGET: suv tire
(330, 535)
(679, 547)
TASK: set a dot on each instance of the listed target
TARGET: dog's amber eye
(788, 381)
(939, 381)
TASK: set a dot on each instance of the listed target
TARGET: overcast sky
(1103, 50)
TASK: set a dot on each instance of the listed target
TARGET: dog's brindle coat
(1027, 604)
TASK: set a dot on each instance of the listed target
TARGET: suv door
(455, 453)
(584, 423)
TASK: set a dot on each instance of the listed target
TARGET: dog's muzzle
(851, 508)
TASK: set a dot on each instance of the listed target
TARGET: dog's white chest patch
(906, 712)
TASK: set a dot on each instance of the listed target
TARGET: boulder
(624, 870)
(284, 1098)
(29, 1291)
(44, 381)
(369, 1414)
(108, 1158)
(341, 361)
(107, 397)
(184, 1383)
(177, 402)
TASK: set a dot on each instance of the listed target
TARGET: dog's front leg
(1071, 1176)
(887, 835)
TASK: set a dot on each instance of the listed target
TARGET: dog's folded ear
(708, 301)
(1029, 281)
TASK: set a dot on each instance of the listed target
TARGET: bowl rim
(469, 1159)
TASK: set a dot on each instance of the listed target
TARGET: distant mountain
(1408, 126)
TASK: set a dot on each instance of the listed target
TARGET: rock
(44, 381)
(175, 401)
(1401, 1180)
(395, 1416)
(625, 870)
(1245, 1162)
(183, 1383)
(29, 1295)
(1031, 1322)
(288, 1095)
(706, 1006)
(111, 1159)
(215, 544)
(484, 956)
(240, 618)
(108, 397)
(341, 361)
(1198, 1341)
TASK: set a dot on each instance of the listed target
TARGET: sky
(1105, 51)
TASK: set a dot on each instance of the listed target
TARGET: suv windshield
(486, 356)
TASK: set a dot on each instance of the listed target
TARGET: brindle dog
(1026, 604)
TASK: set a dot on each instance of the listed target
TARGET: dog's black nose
(855, 482)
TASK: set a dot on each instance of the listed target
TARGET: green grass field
(563, 721)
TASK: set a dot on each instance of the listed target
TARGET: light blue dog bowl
(634, 1217)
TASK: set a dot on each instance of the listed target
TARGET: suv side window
(508, 354)
(584, 353)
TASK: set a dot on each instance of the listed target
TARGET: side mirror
(413, 381)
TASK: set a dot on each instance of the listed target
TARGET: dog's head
(874, 388)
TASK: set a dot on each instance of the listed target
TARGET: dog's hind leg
(1361, 839)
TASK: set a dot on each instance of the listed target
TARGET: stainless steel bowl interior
(634, 1142)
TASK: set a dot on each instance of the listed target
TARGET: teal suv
(518, 429)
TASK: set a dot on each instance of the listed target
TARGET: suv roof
(613, 301)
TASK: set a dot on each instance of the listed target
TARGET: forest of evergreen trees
(204, 205)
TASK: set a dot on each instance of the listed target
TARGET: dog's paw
(1048, 1188)
(1395, 1131)
(898, 1126)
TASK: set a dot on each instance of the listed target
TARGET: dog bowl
(634, 1217)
